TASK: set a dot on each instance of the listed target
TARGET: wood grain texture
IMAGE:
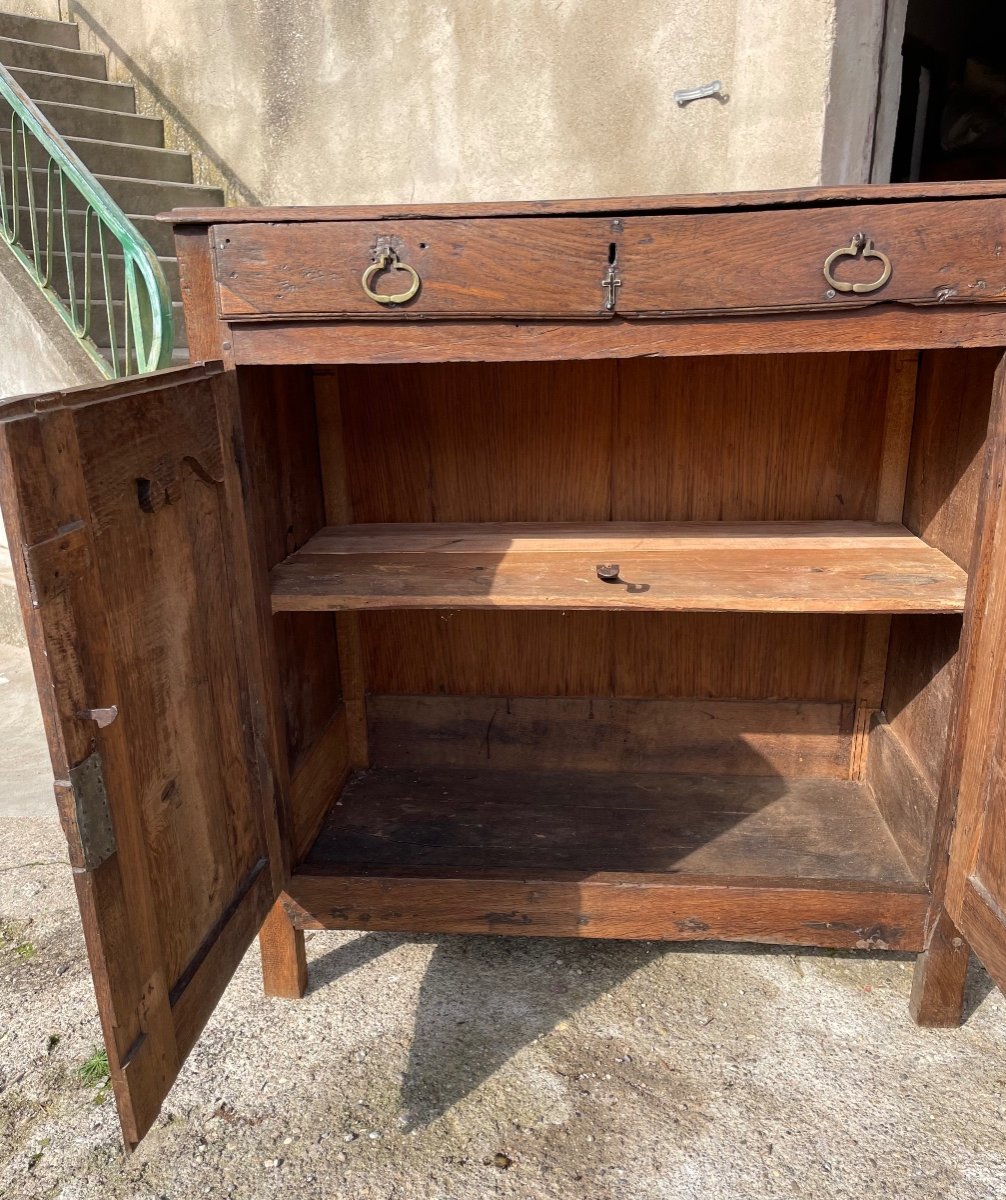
(758, 262)
(883, 327)
(206, 334)
(150, 627)
(951, 420)
(906, 799)
(899, 407)
(638, 654)
(316, 783)
(612, 905)
(632, 441)
(286, 507)
(594, 820)
(982, 925)
(537, 268)
(899, 414)
(920, 688)
(941, 973)
(869, 689)
(976, 882)
(338, 511)
(284, 961)
(749, 738)
(833, 567)
(851, 194)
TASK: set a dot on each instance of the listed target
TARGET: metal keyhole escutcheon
(389, 261)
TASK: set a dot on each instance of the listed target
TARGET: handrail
(143, 339)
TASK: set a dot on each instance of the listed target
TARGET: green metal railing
(75, 238)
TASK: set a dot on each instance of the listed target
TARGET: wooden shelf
(806, 567)
(468, 821)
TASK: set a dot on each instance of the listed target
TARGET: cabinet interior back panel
(776, 438)
(792, 437)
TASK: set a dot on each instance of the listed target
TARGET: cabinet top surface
(699, 202)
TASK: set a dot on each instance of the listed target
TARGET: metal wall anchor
(686, 95)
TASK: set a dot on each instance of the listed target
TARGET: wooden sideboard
(623, 568)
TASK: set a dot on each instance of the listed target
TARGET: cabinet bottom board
(645, 855)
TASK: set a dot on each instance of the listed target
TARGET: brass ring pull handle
(859, 242)
(389, 260)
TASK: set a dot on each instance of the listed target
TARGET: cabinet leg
(284, 962)
(940, 974)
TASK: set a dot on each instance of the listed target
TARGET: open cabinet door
(976, 880)
(126, 526)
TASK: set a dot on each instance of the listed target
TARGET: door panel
(124, 515)
(976, 879)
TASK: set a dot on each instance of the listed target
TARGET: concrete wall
(322, 101)
(37, 351)
(37, 354)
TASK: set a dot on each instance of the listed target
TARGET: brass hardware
(94, 821)
(859, 242)
(608, 572)
(389, 261)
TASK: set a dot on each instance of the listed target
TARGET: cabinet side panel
(941, 504)
(287, 507)
(948, 441)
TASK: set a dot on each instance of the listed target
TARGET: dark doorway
(952, 113)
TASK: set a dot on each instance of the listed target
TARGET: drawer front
(532, 267)
(939, 253)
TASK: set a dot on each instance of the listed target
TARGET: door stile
(76, 674)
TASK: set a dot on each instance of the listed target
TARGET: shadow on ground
(476, 1011)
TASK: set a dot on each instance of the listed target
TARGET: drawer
(529, 267)
(939, 253)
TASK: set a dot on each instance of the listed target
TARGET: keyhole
(612, 253)
(145, 495)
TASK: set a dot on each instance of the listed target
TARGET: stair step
(79, 120)
(99, 324)
(78, 92)
(159, 234)
(15, 53)
(179, 356)
(137, 195)
(168, 265)
(38, 29)
(120, 159)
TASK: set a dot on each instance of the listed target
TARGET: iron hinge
(94, 820)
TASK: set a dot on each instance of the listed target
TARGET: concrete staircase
(125, 151)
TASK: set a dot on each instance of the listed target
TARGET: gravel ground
(489, 1067)
(455, 1068)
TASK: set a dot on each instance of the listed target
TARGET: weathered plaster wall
(50, 9)
(37, 351)
(320, 101)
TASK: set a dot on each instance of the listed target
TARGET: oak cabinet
(624, 568)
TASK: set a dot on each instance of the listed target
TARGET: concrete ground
(454, 1068)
